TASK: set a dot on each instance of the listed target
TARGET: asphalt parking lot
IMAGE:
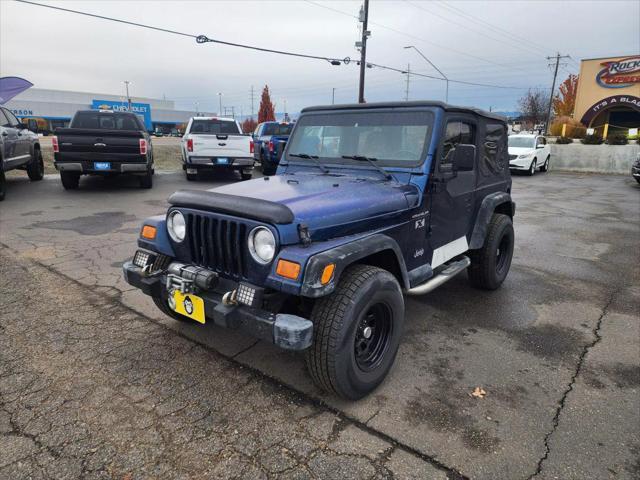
(96, 383)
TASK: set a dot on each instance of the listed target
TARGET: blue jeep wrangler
(370, 202)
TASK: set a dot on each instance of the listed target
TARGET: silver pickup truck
(216, 144)
(19, 149)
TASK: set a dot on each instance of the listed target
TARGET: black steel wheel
(490, 264)
(357, 331)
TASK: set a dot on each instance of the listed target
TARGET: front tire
(532, 167)
(490, 264)
(70, 180)
(357, 331)
(35, 168)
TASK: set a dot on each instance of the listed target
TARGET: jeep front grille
(217, 244)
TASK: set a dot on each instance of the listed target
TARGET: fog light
(250, 295)
(142, 259)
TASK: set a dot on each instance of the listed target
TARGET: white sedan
(529, 153)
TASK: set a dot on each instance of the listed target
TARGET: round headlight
(176, 226)
(262, 245)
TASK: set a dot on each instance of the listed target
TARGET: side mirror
(464, 158)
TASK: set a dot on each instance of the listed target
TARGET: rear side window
(215, 127)
(493, 151)
(106, 121)
(456, 133)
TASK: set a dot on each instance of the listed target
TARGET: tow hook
(230, 298)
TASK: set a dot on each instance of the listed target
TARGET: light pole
(220, 103)
(333, 95)
(126, 86)
(444, 77)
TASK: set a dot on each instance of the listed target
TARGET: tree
(266, 113)
(533, 106)
(564, 103)
(249, 125)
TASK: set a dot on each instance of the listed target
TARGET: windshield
(393, 138)
(215, 127)
(278, 129)
(522, 142)
(106, 121)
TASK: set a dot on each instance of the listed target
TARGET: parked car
(19, 149)
(103, 142)
(216, 144)
(158, 133)
(270, 139)
(370, 201)
(529, 153)
(635, 169)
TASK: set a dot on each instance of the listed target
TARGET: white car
(529, 153)
(215, 144)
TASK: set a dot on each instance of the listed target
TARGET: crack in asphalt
(452, 473)
(569, 389)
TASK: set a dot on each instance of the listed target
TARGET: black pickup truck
(103, 142)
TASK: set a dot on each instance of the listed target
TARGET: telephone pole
(406, 92)
(553, 87)
(364, 18)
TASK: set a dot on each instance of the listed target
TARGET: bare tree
(533, 106)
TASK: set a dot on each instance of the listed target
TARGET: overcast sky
(66, 51)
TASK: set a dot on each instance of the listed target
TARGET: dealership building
(608, 96)
(52, 109)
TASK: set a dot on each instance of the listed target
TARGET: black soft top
(419, 103)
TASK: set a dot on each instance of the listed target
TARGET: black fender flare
(345, 255)
(489, 205)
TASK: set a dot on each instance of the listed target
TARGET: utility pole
(252, 96)
(406, 92)
(126, 85)
(444, 77)
(219, 103)
(333, 95)
(364, 18)
(553, 87)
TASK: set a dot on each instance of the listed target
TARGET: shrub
(563, 140)
(617, 139)
(574, 129)
(592, 140)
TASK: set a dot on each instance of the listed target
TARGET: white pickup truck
(215, 144)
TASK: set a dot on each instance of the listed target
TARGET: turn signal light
(288, 269)
(327, 273)
(148, 232)
(54, 143)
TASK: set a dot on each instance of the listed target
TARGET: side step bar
(451, 270)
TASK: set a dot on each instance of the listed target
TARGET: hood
(324, 201)
(520, 150)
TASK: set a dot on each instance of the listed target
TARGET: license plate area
(189, 305)
(102, 165)
(222, 161)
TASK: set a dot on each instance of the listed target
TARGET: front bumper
(88, 167)
(286, 331)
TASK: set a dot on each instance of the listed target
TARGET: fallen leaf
(478, 392)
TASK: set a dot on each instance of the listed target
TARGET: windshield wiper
(371, 160)
(311, 157)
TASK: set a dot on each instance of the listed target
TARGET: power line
(200, 39)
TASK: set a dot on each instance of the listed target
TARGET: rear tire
(490, 264)
(70, 180)
(246, 176)
(192, 177)
(146, 181)
(3, 185)
(35, 168)
(161, 303)
(269, 170)
(357, 331)
(545, 167)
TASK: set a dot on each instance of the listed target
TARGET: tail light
(190, 145)
(143, 146)
(251, 146)
(271, 146)
(54, 143)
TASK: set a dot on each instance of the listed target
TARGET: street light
(126, 84)
(444, 77)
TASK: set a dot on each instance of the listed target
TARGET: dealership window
(493, 154)
(456, 133)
